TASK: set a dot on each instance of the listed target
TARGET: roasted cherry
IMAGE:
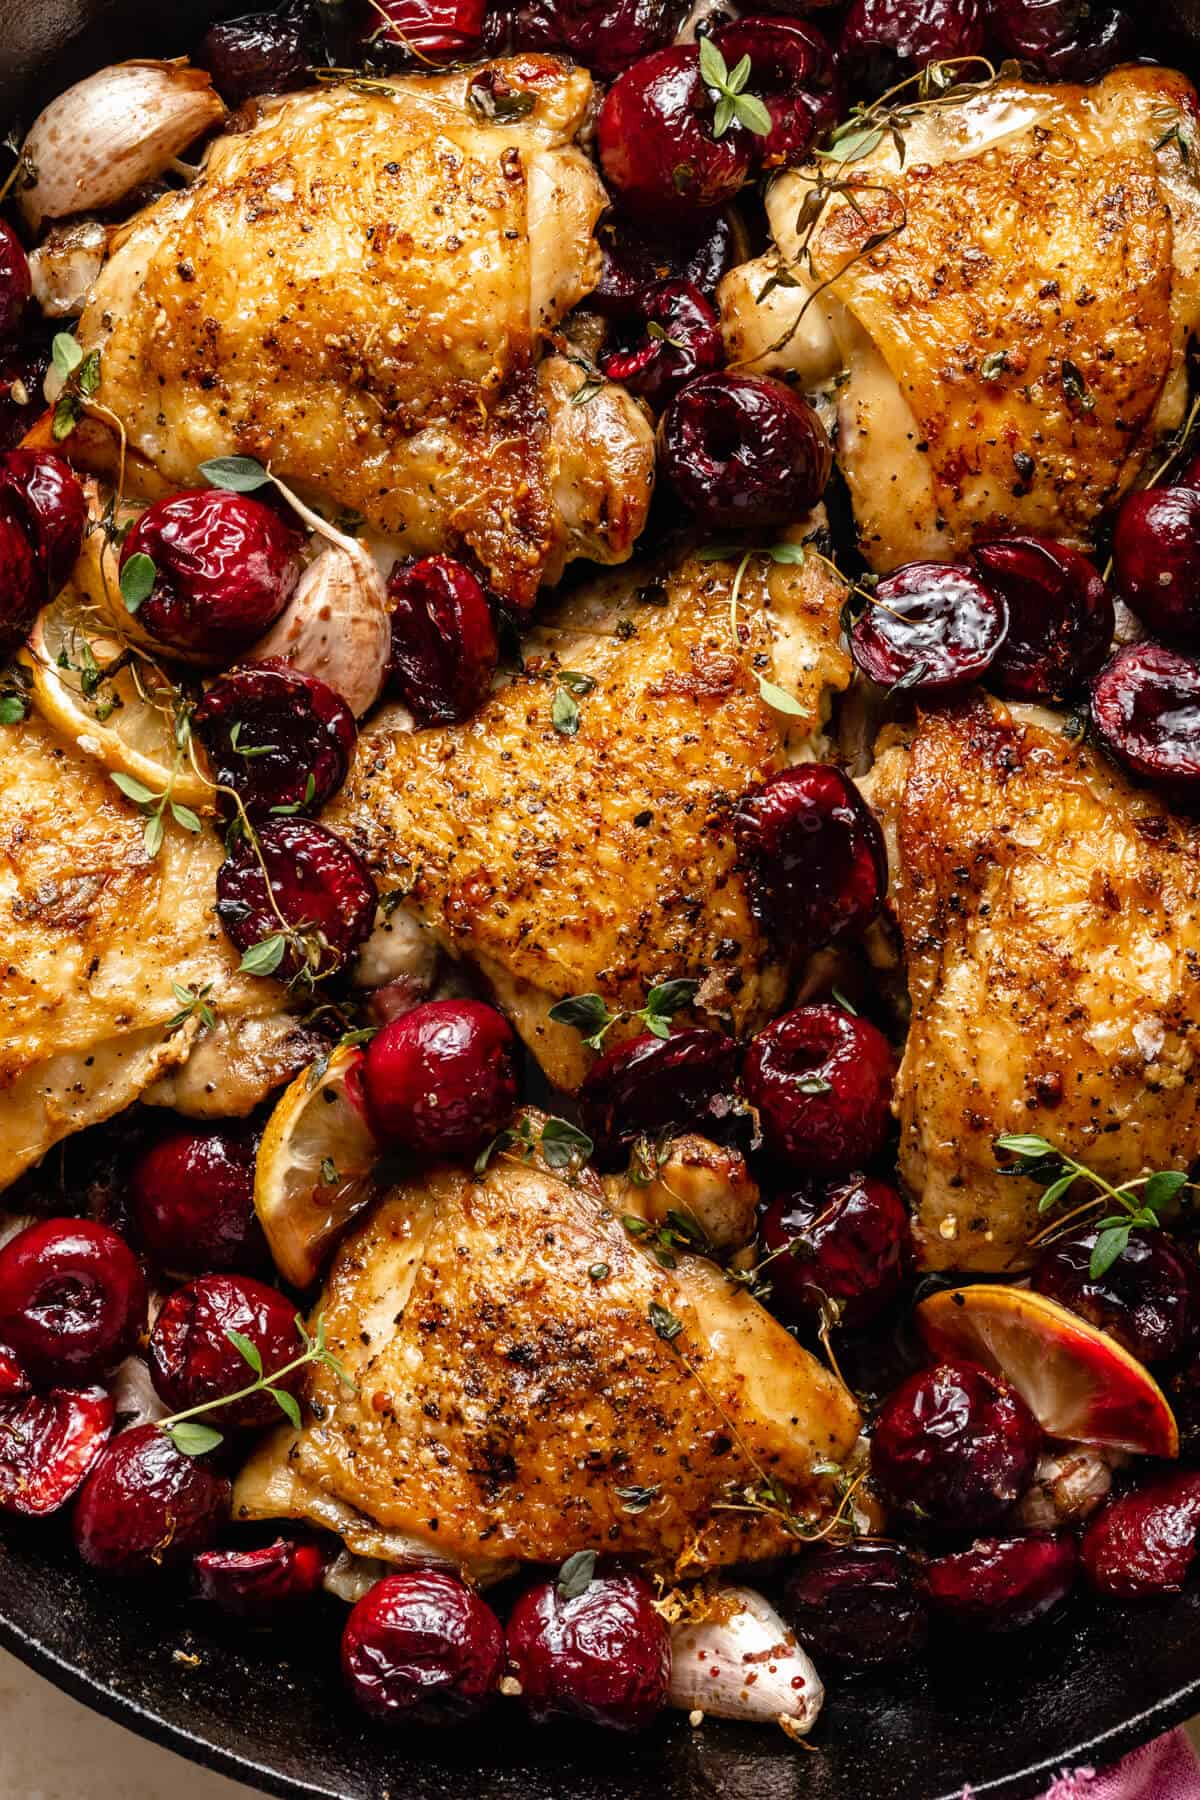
(680, 336)
(635, 259)
(14, 1380)
(1060, 616)
(422, 1646)
(269, 1583)
(813, 853)
(1063, 40)
(321, 888)
(849, 1245)
(15, 284)
(1002, 1584)
(444, 645)
(281, 740)
(1156, 561)
(262, 53)
(656, 143)
(930, 626)
(22, 587)
(607, 35)
(441, 1079)
(192, 1192)
(858, 1605)
(1148, 1299)
(146, 1506)
(792, 74)
(603, 1655)
(426, 28)
(43, 493)
(1142, 1542)
(225, 566)
(954, 1445)
(821, 1081)
(48, 1442)
(72, 1297)
(883, 41)
(22, 372)
(194, 1361)
(743, 451)
(645, 1086)
(1146, 710)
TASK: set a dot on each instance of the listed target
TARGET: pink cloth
(1164, 1770)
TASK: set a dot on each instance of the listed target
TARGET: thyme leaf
(192, 1439)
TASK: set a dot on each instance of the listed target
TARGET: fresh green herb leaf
(778, 698)
(599, 1272)
(564, 713)
(575, 1576)
(152, 835)
(814, 1084)
(667, 998)
(588, 1014)
(993, 366)
(1026, 1146)
(588, 388)
(733, 102)
(562, 1144)
(67, 414)
(191, 1439)
(89, 375)
(1075, 387)
(137, 579)
(133, 789)
(238, 474)
(851, 142)
(636, 1499)
(287, 1403)
(246, 1349)
(1109, 1245)
(665, 1324)
(247, 750)
(193, 1003)
(184, 816)
(13, 708)
(264, 957)
(1056, 1190)
(65, 354)
(330, 1173)
(1162, 1188)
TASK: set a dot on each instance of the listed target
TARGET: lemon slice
(314, 1168)
(111, 702)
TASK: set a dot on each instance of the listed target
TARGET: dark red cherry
(193, 1361)
(22, 584)
(656, 143)
(22, 371)
(849, 1245)
(954, 1445)
(426, 28)
(146, 1506)
(72, 1297)
(883, 41)
(857, 1605)
(422, 1646)
(1148, 1299)
(743, 451)
(792, 74)
(441, 1079)
(604, 1655)
(14, 1380)
(1146, 710)
(192, 1192)
(1060, 616)
(262, 53)
(281, 740)
(1063, 40)
(679, 336)
(48, 1442)
(262, 1585)
(321, 887)
(444, 645)
(1142, 1542)
(645, 1086)
(636, 258)
(929, 626)
(15, 284)
(225, 567)
(813, 854)
(1156, 561)
(1002, 1584)
(43, 493)
(821, 1081)
(605, 35)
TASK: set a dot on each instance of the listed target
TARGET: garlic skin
(108, 135)
(744, 1663)
(64, 266)
(1068, 1485)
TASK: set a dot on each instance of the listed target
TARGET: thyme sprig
(769, 691)
(733, 103)
(192, 1439)
(81, 382)
(561, 1144)
(589, 1013)
(1138, 1203)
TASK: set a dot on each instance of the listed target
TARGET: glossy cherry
(421, 29)
(1060, 616)
(1146, 711)
(605, 35)
(225, 567)
(321, 887)
(1063, 40)
(1142, 1542)
(656, 143)
(636, 258)
(645, 1086)
(444, 644)
(283, 741)
(603, 1656)
(146, 1506)
(930, 627)
(193, 1362)
(857, 1605)
(14, 1379)
(22, 586)
(1002, 1584)
(1156, 561)
(262, 53)
(813, 855)
(22, 371)
(44, 494)
(821, 1081)
(883, 41)
(743, 451)
(441, 1079)
(1148, 1299)
(15, 284)
(192, 1193)
(954, 1445)
(422, 1646)
(269, 1583)
(792, 74)
(72, 1297)
(679, 336)
(848, 1246)
(48, 1442)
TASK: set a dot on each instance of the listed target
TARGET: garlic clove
(109, 134)
(65, 265)
(742, 1662)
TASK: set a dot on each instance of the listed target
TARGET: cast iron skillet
(1002, 1716)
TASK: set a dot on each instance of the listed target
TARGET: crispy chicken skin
(1011, 352)
(356, 290)
(603, 860)
(511, 1381)
(1051, 916)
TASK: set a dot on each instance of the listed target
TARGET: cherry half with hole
(636, 258)
(422, 1646)
(743, 451)
(885, 41)
(849, 1245)
(603, 1655)
(444, 644)
(274, 1581)
(72, 1298)
(1146, 711)
(857, 1605)
(649, 1084)
(1156, 561)
(930, 627)
(441, 1079)
(193, 1361)
(192, 1193)
(322, 891)
(792, 74)
(261, 53)
(282, 740)
(1142, 1542)
(1064, 40)
(145, 1506)
(821, 1081)
(15, 283)
(655, 138)
(1148, 1299)
(955, 1445)
(813, 855)
(1002, 1584)
(22, 586)
(42, 492)
(48, 1443)
(1060, 616)
(679, 337)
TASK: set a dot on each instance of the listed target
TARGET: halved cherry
(1077, 1381)
(1146, 710)
(48, 1442)
(930, 627)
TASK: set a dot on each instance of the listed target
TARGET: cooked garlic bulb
(744, 1663)
(64, 267)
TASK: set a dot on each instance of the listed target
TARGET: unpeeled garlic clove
(109, 134)
(742, 1662)
(65, 265)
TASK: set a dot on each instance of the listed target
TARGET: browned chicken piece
(1010, 351)
(357, 290)
(530, 1382)
(595, 854)
(1051, 916)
